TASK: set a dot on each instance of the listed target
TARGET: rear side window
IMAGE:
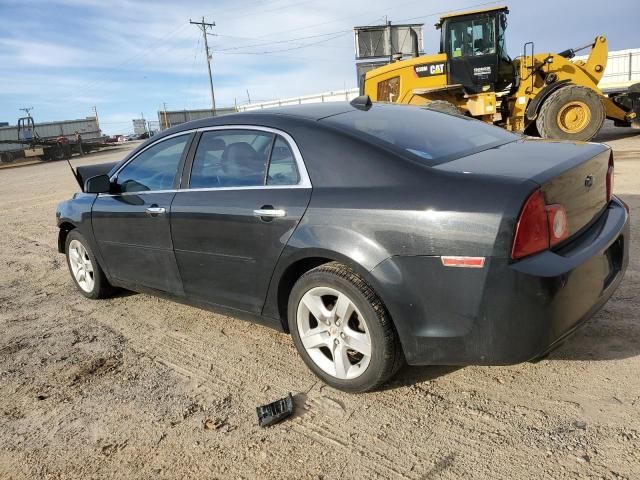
(242, 158)
(433, 137)
(231, 158)
(155, 168)
(282, 167)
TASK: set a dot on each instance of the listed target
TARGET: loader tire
(443, 106)
(571, 113)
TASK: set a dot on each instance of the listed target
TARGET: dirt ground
(138, 387)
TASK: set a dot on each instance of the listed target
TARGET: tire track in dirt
(194, 358)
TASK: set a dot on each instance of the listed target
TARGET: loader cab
(476, 50)
(26, 129)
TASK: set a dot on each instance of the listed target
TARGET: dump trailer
(545, 94)
(48, 141)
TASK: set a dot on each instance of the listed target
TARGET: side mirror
(98, 184)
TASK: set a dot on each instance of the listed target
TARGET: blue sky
(127, 57)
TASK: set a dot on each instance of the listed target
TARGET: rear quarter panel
(368, 205)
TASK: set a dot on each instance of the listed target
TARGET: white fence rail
(335, 96)
(623, 70)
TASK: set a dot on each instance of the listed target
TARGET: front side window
(471, 38)
(242, 158)
(155, 168)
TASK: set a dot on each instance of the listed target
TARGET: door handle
(153, 211)
(269, 212)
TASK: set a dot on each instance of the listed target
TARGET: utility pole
(27, 110)
(166, 123)
(95, 113)
(204, 26)
(146, 127)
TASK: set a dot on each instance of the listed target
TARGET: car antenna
(75, 174)
(363, 102)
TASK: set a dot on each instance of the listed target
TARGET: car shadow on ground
(608, 336)
(123, 293)
(412, 375)
(615, 133)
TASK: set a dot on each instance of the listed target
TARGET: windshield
(433, 137)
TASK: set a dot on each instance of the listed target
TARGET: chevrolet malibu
(374, 234)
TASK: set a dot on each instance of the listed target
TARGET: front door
(132, 224)
(471, 50)
(247, 192)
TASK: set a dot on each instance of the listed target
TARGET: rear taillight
(558, 225)
(539, 226)
(532, 230)
(610, 178)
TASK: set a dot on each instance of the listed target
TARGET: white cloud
(129, 55)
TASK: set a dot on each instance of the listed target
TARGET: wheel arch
(534, 106)
(63, 231)
(290, 270)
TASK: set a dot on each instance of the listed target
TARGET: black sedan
(374, 234)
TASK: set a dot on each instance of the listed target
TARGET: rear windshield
(433, 137)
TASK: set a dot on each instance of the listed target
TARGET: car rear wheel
(342, 330)
(84, 269)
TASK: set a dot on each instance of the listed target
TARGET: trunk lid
(571, 174)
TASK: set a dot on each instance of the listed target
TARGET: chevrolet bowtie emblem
(588, 181)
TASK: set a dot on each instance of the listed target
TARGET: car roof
(267, 117)
(313, 111)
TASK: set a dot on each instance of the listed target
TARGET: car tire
(356, 355)
(571, 113)
(84, 268)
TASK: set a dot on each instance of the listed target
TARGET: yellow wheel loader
(545, 94)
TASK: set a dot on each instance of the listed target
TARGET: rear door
(247, 191)
(132, 226)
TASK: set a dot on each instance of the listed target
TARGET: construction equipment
(543, 94)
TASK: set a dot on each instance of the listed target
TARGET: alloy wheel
(334, 333)
(81, 266)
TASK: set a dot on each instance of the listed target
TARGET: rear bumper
(506, 312)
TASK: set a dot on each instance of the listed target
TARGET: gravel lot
(141, 387)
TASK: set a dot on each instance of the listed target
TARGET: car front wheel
(342, 330)
(84, 269)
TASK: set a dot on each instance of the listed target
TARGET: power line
(283, 41)
(451, 10)
(338, 33)
(286, 49)
(252, 14)
(160, 44)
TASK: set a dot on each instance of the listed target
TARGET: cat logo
(429, 69)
